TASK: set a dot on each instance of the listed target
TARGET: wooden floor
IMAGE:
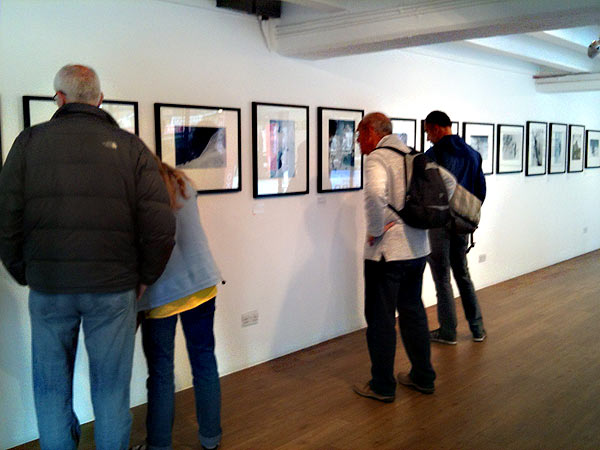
(533, 384)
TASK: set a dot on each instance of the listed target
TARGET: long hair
(174, 180)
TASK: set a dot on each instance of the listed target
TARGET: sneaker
(479, 336)
(437, 336)
(366, 391)
(139, 447)
(405, 380)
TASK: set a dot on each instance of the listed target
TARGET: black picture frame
(485, 147)
(557, 148)
(592, 149)
(339, 169)
(38, 109)
(576, 148)
(536, 148)
(408, 127)
(202, 141)
(424, 141)
(509, 148)
(278, 172)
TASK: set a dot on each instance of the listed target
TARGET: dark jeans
(391, 286)
(449, 250)
(158, 339)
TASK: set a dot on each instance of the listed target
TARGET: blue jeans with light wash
(108, 322)
(158, 339)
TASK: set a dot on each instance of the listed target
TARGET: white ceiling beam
(430, 22)
(568, 83)
(320, 5)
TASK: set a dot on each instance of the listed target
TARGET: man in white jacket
(395, 257)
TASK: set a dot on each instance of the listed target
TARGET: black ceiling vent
(264, 8)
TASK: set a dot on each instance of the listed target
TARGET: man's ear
(101, 99)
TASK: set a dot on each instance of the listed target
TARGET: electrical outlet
(250, 318)
(482, 257)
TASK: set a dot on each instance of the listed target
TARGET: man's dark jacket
(83, 207)
(455, 155)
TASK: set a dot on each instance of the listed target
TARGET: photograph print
(576, 148)
(280, 149)
(509, 157)
(557, 150)
(480, 136)
(406, 129)
(537, 138)
(339, 160)
(203, 142)
(592, 149)
(41, 109)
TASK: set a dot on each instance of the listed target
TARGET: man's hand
(371, 239)
(140, 290)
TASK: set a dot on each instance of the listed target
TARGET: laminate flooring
(534, 383)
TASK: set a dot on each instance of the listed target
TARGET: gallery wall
(296, 260)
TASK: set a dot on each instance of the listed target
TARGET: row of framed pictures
(205, 143)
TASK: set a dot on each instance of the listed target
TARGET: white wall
(299, 263)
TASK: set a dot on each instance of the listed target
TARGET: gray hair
(378, 122)
(80, 84)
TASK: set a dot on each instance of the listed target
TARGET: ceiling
(547, 38)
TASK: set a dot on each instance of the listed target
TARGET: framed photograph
(280, 149)
(557, 150)
(480, 136)
(592, 149)
(41, 109)
(537, 138)
(204, 142)
(509, 157)
(425, 144)
(340, 160)
(576, 133)
(406, 129)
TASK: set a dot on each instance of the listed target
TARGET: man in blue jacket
(449, 249)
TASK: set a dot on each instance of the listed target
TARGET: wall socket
(250, 318)
(482, 257)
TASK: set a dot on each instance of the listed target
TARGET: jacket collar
(82, 108)
(393, 140)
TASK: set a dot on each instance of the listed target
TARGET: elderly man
(84, 221)
(395, 257)
(449, 249)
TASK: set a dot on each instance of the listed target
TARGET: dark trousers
(390, 287)
(449, 250)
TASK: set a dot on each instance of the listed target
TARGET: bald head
(78, 84)
(372, 129)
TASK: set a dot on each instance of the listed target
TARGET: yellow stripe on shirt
(183, 304)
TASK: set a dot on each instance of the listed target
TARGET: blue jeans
(158, 339)
(449, 250)
(109, 329)
(389, 287)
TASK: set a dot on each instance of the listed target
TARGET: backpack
(426, 203)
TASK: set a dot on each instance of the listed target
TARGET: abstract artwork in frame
(509, 157)
(592, 149)
(557, 149)
(537, 138)
(41, 109)
(280, 149)
(426, 144)
(576, 148)
(202, 141)
(406, 129)
(480, 136)
(339, 160)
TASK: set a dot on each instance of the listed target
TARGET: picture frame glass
(203, 142)
(480, 136)
(592, 149)
(340, 159)
(280, 149)
(557, 151)
(576, 148)
(510, 148)
(406, 129)
(537, 139)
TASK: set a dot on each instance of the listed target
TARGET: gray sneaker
(437, 336)
(479, 336)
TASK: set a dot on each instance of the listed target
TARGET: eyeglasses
(56, 96)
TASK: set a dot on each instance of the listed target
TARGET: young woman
(187, 289)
